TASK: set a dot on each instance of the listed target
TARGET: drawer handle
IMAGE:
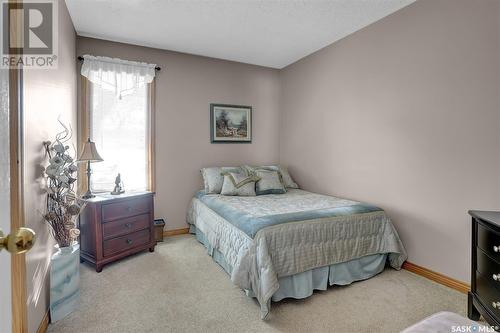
(496, 248)
(496, 305)
(496, 277)
(128, 225)
(129, 241)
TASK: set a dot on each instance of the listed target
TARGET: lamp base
(88, 194)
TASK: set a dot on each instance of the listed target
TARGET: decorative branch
(63, 206)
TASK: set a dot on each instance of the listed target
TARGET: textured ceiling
(272, 33)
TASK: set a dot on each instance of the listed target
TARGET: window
(119, 125)
(117, 112)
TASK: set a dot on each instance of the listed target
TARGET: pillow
(287, 179)
(285, 175)
(213, 178)
(269, 183)
(238, 184)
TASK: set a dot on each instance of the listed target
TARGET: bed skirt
(303, 284)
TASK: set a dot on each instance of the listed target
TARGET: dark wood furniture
(115, 226)
(484, 297)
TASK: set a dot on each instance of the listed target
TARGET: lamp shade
(89, 153)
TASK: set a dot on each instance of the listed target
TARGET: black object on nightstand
(484, 297)
(115, 226)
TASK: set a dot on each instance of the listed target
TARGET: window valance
(120, 76)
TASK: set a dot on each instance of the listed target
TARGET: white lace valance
(120, 76)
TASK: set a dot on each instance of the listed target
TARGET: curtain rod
(158, 68)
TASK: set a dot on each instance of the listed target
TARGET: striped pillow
(239, 184)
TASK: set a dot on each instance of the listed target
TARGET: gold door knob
(22, 240)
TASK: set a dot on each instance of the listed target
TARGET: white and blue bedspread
(271, 236)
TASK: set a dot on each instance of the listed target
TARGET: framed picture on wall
(230, 123)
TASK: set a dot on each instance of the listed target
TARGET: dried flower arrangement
(63, 206)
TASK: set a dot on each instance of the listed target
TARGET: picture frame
(230, 123)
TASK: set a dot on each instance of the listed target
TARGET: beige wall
(47, 95)
(185, 87)
(405, 114)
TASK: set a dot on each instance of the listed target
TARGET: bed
(287, 245)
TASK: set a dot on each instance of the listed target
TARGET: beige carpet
(180, 289)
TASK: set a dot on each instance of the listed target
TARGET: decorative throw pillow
(238, 184)
(287, 179)
(285, 175)
(213, 178)
(269, 183)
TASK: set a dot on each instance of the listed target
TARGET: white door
(5, 276)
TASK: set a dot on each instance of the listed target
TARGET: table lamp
(89, 154)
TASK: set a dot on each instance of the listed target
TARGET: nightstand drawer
(489, 268)
(114, 211)
(489, 241)
(126, 226)
(126, 242)
(489, 296)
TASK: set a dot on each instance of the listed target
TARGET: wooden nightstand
(484, 297)
(115, 226)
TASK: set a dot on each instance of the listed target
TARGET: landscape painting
(230, 123)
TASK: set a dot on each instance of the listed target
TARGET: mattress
(267, 237)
